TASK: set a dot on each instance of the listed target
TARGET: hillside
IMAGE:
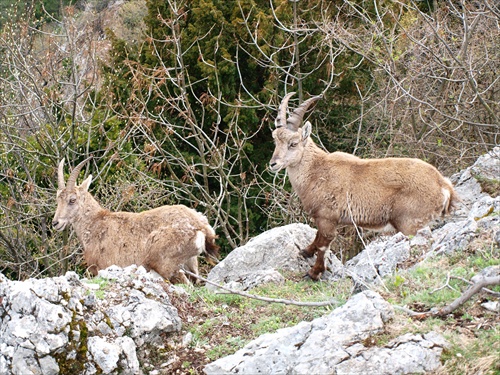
(174, 102)
(128, 320)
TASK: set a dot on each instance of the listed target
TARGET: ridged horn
(60, 176)
(281, 118)
(295, 120)
(75, 172)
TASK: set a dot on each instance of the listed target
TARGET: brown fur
(336, 188)
(162, 239)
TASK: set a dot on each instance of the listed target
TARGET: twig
(266, 299)
(411, 312)
(496, 294)
(445, 285)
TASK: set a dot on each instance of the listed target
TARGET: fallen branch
(492, 292)
(479, 284)
(475, 287)
(266, 299)
(411, 312)
(445, 285)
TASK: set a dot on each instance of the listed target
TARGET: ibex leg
(321, 244)
(311, 250)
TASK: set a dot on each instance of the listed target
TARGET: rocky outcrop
(72, 325)
(262, 258)
(337, 343)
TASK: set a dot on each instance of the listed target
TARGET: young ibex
(162, 239)
(399, 194)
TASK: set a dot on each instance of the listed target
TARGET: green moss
(490, 186)
(74, 365)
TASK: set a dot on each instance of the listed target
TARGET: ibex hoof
(311, 276)
(305, 254)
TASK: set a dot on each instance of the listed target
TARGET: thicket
(176, 102)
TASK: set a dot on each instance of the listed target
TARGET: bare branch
(473, 289)
(479, 283)
(265, 299)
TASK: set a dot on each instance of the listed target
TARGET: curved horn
(75, 172)
(295, 119)
(281, 118)
(60, 176)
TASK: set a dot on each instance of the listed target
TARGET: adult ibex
(336, 188)
(162, 239)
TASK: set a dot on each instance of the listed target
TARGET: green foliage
(10, 10)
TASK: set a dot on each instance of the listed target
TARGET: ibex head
(69, 196)
(289, 137)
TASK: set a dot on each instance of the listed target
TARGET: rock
(53, 326)
(104, 354)
(111, 355)
(467, 182)
(256, 278)
(487, 166)
(467, 188)
(484, 207)
(488, 272)
(407, 354)
(492, 306)
(453, 236)
(327, 343)
(456, 236)
(380, 258)
(262, 257)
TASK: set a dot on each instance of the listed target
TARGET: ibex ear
(86, 183)
(306, 131)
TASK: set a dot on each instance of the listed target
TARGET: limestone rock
(467, 182)
(263, 256)
(63, 324)
(407, 354)
(380, 258)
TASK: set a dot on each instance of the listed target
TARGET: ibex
(400, 194)
(162, 239)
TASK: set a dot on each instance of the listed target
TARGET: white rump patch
(446, 197)
(199, 241)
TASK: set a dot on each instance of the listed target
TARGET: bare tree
(435, 91)
(46, 107)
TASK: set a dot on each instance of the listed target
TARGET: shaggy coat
(162, 239)
(401, 194)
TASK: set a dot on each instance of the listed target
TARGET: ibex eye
(72, 201)
(293, 144)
